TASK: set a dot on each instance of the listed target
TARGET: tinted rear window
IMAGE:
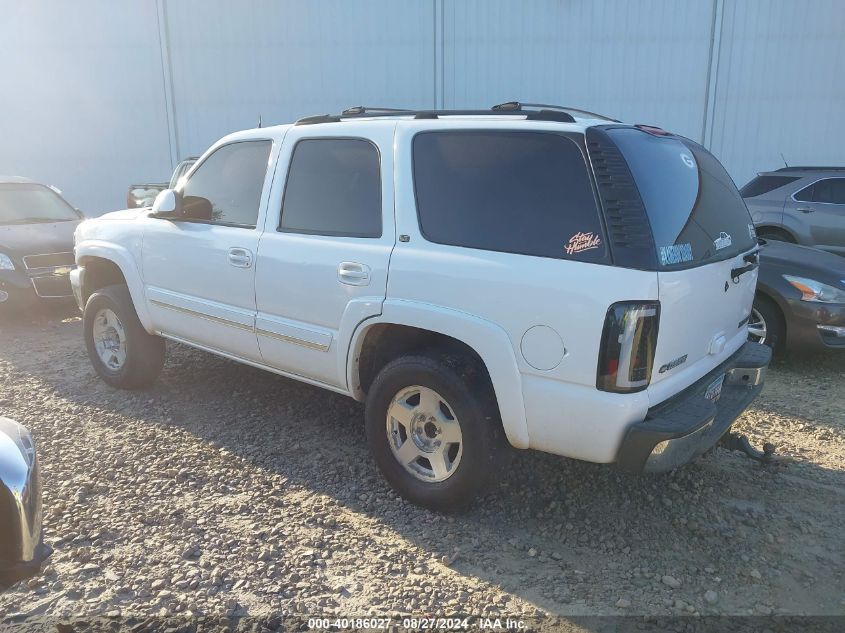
(764, 184)
(515, 192)
(696, 213)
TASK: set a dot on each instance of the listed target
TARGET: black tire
(144, 352)
(772, 317)
(467, 391)
(771, 233)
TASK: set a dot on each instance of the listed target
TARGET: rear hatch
(704, 244)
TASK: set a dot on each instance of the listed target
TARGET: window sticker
(676, 254)
(723, 241)
(688, 161)
(581, 242)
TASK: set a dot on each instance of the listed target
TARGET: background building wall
(97, 94)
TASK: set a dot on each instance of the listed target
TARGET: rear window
(696, 213)
(516, 192)
(764, 184)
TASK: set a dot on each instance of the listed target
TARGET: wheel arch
(405, 327)
(108, 264)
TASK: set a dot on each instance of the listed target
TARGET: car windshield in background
(696, 213)
(32, 204)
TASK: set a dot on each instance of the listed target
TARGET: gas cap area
(542, 347)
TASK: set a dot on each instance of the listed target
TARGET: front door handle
(240, 257)
(806, 210)
(353, 274)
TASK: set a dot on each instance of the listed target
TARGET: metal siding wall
(284, 60)
(779, 85)
(643, 61)
(82, 104)
(85, 103)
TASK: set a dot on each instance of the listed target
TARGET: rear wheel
(766, 323)
(771, 233)
(434, 430)
(121, 351)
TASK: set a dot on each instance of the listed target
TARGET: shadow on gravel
(553, 531)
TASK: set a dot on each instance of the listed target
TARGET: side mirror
(168, 204)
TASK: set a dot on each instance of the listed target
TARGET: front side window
(30, 203)
(226, 187)
(516, 192)
(829, 191)
(333, 188)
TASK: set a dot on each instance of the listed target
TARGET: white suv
(541, 277)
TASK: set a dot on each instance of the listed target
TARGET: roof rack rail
(810, 168)
(362, 112)
(517, 106)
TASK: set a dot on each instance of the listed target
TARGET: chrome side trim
(202, 315)
(290, 339)
(251, 363)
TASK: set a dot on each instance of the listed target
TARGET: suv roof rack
(512, 108)
(810, 168)
(517, 106)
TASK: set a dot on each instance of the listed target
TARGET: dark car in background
(36, 242)
(22, 548)
(802, 205)
(800, 300)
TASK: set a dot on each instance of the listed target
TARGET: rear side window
(829, 190)
(696, 213)
(764, 184)
(333, 188)
(514, 192)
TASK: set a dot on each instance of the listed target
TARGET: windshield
(30, 203)
(696, 213)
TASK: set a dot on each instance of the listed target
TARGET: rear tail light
(629, 340)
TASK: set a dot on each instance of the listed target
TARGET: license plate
(714, 389)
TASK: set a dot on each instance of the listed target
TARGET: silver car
(803, 205)
(22, 549)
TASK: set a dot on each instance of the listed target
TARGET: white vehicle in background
(536, 276)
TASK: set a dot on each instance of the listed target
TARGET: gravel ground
(229, 491)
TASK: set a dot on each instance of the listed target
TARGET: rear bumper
(685, 426)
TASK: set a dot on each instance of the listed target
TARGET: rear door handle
(240, 257)
(806, 210)
(353, 273)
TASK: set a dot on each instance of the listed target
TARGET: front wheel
(121, 351)
(434, 430)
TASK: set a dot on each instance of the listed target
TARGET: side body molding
(489, 340)
(123, 259)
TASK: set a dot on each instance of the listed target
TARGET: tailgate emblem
(672, 364)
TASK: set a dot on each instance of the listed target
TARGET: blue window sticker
(675, 254)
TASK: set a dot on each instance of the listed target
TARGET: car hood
(802, 261)
(37, 239)
(125, 214)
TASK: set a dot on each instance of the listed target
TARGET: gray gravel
(228, 491)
